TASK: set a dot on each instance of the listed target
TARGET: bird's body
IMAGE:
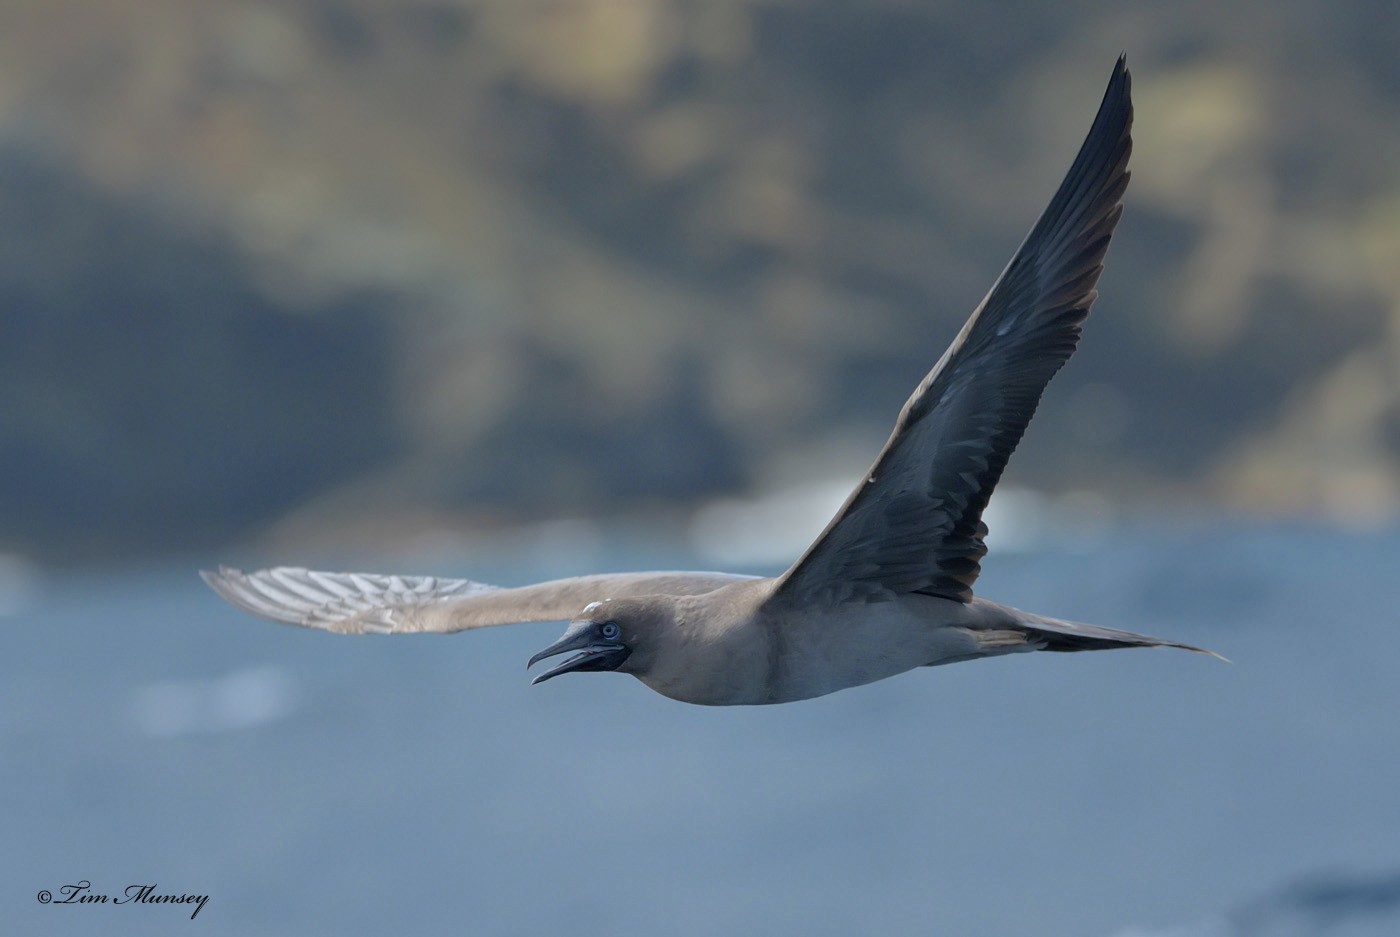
(741, 649)
(887, 587)
(805, 656)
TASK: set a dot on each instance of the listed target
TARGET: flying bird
(887, 586)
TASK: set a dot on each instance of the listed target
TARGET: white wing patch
(347, 603)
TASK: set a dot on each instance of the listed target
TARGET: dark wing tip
(1122, 77)
(1117, 104)
(1114, 119)
(1086, 207)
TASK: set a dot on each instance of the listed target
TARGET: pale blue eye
(610, 631)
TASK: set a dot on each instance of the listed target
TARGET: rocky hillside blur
(485, 261)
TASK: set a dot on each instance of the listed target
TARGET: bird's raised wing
(369, 603)
(914, 524)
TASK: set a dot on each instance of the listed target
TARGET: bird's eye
(610, 631)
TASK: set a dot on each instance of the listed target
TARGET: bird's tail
(1061, 635)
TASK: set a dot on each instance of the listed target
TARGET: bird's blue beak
(594, 653)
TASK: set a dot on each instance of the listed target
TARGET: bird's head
(614, 634)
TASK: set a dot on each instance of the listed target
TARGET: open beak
(594, 653)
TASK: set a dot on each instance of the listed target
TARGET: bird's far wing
(369, 603)
(914, 524)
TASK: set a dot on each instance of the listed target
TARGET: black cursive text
(82, 893)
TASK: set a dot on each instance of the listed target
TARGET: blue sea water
(314, 784)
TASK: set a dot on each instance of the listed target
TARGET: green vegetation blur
(390, 262)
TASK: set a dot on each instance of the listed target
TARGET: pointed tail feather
(1073, 636)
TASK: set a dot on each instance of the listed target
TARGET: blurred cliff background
(524, 289)
(358, 270)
